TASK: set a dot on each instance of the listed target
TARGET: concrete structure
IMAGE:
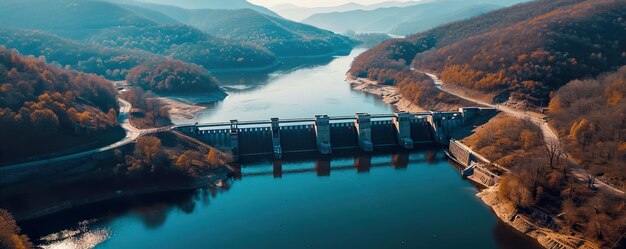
(363, 125)
(325, 134)
(473, 167)
(322, 134)
(278, 151)
(402, 122)
(463, 155)
(234, 139)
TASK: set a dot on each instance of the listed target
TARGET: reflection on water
(378, 200)
(351, 200)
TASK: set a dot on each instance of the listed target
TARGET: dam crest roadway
(324, 133)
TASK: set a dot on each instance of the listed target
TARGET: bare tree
(553, 151)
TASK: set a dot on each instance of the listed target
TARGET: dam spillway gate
(324, 133)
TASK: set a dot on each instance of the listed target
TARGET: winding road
(132, 133)
(548, 133)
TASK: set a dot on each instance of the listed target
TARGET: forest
(282, 37)
(591, 117)
(166, 156)
(527, 50)
(44, 102)
(10, 236)
(166, 75)
(538, 179)
(185, 43)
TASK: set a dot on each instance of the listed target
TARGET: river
(351, 200)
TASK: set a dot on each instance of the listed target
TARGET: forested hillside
(129, 27)
(39, 102)
(172, 76)
(527, 50)
(78, 18)
(281, 36)
(591, 115)
(213, 4)
(110, 63)
(186, 43)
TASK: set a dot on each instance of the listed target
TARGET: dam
(325, 134)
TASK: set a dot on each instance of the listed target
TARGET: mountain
(108, 62)
(521, 53)
(129, 27)
(78, 20)
(414, 18)
(280, 36)
(186, 43)
(426, 22)
(299, 13)
(214, 4)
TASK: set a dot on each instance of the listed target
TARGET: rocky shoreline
(389, 94)
(544, 236)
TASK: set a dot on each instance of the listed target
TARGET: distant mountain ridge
(282, 37)
(299, 13)
(405, 20)
(213, 4)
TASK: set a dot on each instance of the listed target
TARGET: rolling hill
(41, 102)
(213, 4)
(404, 20)
(283, 37)
(520, 53)
(79, 19)
(130, 27)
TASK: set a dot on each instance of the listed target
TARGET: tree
(513, 190)
(10, 237)
(182, 162)
(553, 151)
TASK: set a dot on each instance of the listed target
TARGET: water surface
(385, 200)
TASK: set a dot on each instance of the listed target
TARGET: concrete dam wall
(325, 134)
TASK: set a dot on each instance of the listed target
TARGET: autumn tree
(10, 237)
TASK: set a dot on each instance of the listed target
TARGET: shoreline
(209, 180)
(389, 94)
(524, 224)
(275, 64)
(181, 111)
(271, 66)
(544, 236)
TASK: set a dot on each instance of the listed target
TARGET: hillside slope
(130, 27)
(281, 36)
(39, 102)
(78, 19)
(524, 51)
(214, 4)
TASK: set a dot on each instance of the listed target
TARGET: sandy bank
(181, 111)
(389, 94)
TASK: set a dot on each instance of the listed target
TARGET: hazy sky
(315, 3)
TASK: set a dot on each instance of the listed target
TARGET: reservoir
(390, 199)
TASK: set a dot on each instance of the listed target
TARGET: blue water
(388, 200)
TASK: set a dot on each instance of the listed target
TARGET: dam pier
(325, 134)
